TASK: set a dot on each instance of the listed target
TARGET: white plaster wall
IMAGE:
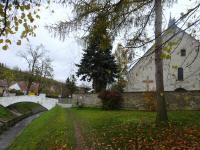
(48, 103)
(15, 86)
(190, 63)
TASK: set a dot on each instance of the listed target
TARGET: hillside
(50, 86)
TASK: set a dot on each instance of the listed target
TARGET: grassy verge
(136, 130)
(108, 130)
(52, 130)
(5, 114)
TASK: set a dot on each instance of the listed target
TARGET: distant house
(22, 86)
(19, 86)
(3, 86)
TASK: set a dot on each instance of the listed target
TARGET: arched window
(183, 52)
(180, 74)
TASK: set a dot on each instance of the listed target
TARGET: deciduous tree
(43, 71)
(33, 56)
(17, 16)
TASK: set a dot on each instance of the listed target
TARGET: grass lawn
(136, 130)
(5, 114)
(113, 130)
(52, 130)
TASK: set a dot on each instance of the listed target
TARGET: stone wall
(88, 100)
(138, 100)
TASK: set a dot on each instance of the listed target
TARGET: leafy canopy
(17, 17)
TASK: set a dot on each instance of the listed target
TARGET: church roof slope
(166, 33)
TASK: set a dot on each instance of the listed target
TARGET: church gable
(181, 69)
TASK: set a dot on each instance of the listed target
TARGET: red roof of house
(22, 85)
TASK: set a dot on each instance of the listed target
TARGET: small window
(180, 74)
(183, 52)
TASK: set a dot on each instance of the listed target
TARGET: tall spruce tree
(70, 85)
(98, 65)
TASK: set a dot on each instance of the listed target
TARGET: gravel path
(8, 136)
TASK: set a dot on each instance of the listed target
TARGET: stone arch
(180, 90)
(42, 107)
(45, 102)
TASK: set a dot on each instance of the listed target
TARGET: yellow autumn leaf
(8, 41)
(20, 21)
(16, 28)
(27, 7)
(5, 47)
(23, 16)
(22, 8)
(19, 42)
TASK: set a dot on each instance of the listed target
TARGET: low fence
(139, 100)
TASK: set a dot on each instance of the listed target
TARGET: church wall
(191, 73)
(144, 70)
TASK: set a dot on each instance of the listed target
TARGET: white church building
(181, 64)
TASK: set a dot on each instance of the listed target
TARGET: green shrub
(111, 99)
(17, 92)
(12, 91)
(52, 96)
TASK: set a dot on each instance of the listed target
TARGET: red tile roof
(22, 85)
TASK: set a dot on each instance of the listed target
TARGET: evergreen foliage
(71, 85)
(98, 64)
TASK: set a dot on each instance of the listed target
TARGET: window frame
(183, 52)
(180, 74)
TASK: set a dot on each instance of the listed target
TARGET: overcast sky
(65, 53)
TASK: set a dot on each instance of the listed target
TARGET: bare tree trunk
(160, 97)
